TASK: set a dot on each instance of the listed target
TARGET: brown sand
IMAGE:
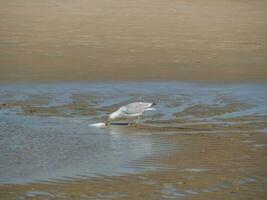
(209, 40)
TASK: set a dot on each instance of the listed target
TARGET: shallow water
(37, 148)
(45, 135)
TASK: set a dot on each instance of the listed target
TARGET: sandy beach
(65, 65)
(138, 40)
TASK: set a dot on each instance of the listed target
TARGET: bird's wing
(136, 107)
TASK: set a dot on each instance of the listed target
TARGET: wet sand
(203, 142)
(209, 40)
(220, 166)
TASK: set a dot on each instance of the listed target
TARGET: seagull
(131, 110)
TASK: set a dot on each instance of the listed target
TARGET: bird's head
(109, 117)
(106, 120)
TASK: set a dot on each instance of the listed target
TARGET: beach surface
(65, 65)
(209, 40)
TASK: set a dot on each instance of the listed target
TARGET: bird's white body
(134, 109)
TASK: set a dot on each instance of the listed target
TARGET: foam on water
(100, 124)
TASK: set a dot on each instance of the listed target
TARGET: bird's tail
(155, 103)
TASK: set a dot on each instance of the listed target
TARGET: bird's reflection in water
(138, 145)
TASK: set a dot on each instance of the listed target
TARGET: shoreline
(133, 81)
(221, 75)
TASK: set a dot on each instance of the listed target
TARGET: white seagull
(131, 110)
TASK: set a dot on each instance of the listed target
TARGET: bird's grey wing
(136, 107)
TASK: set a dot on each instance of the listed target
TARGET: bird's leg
(131, 123)
(138, 119)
